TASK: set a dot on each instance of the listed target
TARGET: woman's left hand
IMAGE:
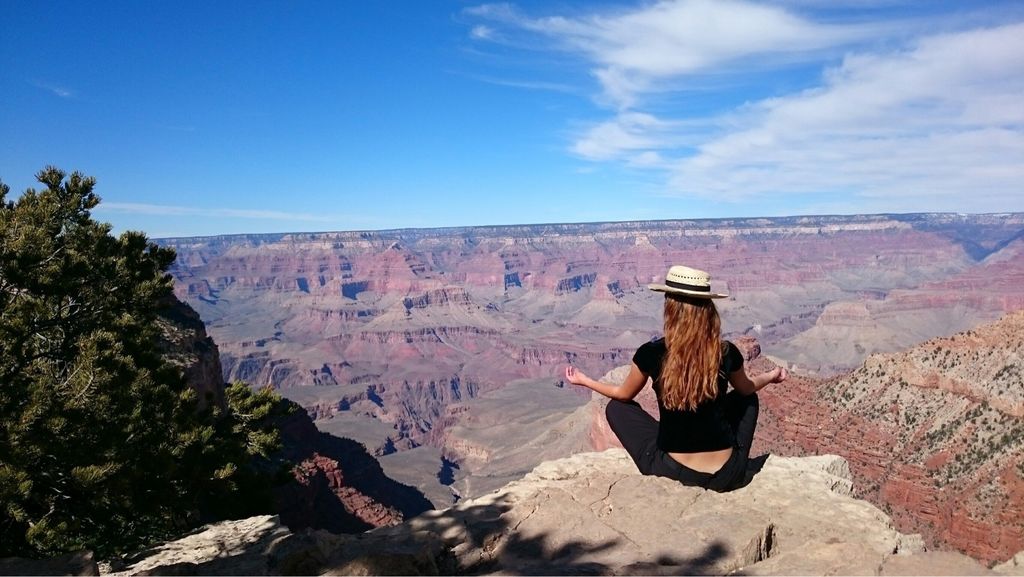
(778, 374)
(575, 376)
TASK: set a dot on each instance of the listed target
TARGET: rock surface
(80, 563)
(185, 344)
(592, 513)
(338, 485)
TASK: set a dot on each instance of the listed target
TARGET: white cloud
(927, 123)
(627, 133)
(526, 84)
(636, 137)
(482, 32)
(633, 51)
(55, 89)
(940, 122)
(171, 210)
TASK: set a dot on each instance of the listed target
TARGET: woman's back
(703, 428)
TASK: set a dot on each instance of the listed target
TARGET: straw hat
(683, 280)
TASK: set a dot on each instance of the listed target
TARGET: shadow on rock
(486, 538)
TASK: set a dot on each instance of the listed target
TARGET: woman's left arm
(624, 392)
(750, 385)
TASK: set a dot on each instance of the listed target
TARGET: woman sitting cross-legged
(705, 431)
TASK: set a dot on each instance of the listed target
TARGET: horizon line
(385, 231)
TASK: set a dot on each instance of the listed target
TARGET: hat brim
(697, 294)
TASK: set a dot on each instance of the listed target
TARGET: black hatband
(689, 287)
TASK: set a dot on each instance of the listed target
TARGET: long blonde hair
(689, 373)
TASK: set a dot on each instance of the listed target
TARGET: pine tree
(102, 444)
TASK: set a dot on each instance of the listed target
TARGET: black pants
(638, 433)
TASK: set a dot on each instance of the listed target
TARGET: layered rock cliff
(934, 434)
(183, 342)
(594, 514)
(338, 486)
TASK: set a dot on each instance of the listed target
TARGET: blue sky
(226, 117)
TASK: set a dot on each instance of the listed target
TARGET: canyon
(441, 350)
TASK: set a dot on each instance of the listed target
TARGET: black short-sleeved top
(704, 428)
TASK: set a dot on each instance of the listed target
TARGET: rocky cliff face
(337, 485)
(184, 342)
(783, 273)
(594, 514)
(935, 434)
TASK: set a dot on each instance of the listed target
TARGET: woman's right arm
(624, 392)
(748, 386)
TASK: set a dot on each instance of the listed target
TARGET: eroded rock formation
(934, 434)
(184, 342)
(337, 485)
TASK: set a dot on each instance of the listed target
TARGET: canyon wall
(337, 485)
(409, 340)
(395, 326)
(934, 434)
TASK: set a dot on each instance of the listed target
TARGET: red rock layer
(358, 505)
(491, 305)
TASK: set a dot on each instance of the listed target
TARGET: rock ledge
(592, 513)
